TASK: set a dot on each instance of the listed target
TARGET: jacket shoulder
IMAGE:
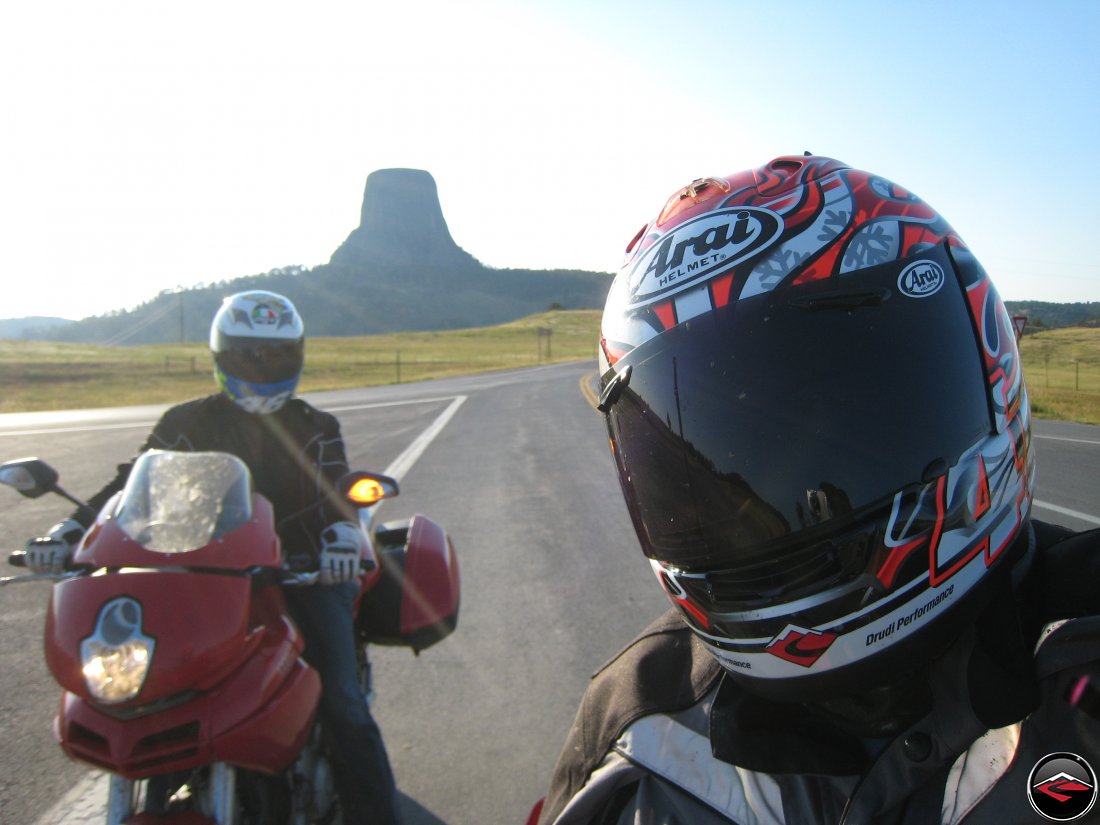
(306, 415)
(664, 669)
(185, 418)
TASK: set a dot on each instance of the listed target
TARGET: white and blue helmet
(258, 342)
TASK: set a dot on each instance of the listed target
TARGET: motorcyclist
(296, 454)
(822, 433)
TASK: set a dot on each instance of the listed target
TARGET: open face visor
(754, 431)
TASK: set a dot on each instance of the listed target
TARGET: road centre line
(587, 391)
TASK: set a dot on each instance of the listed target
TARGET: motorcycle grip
(18, 558)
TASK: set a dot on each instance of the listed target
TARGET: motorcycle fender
(415, 603)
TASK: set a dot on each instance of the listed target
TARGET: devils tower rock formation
(401, 225)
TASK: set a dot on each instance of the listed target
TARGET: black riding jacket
(295, 455)
(663, 737)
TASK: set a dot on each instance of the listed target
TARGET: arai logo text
(921, 279)
(702, 247)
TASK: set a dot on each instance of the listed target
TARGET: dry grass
(40, 375)
(1062, 366)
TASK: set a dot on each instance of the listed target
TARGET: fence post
(544, 332)
(397, 361)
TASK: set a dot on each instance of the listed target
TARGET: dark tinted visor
(787, 415)
(259, 360)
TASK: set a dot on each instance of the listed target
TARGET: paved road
(522, 477)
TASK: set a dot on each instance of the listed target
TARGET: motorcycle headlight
(116, 657)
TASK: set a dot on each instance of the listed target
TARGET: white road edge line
(87, 429)
(94, 784)
(1067, 512)
(150, 422)
(1073, 440)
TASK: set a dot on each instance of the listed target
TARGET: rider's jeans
(364, 779)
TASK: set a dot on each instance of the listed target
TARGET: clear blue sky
(148, 146)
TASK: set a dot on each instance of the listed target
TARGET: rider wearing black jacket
(818, 416)
(295, 454)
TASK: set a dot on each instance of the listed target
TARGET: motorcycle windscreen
(180, 501)
(748, 428)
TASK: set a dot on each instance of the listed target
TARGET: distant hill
(1043, 315)
(16, 327)
(399, 270)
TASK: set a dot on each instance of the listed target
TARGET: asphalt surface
(553, 583)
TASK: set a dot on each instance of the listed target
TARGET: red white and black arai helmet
(819, 421)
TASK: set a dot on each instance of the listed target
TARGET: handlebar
(305, 578)
(287, 577)
(296, 577)
(18, 558)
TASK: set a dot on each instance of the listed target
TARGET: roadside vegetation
(43, 375)
(1062, 366)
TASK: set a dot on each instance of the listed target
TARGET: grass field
(1062, 366)
(40, 375)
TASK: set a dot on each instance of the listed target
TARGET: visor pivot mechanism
(614, 389)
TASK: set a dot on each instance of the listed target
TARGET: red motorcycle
(182, 672)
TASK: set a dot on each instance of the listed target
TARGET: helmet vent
(785, 576)
(786, 165)
(698, 191)
(634, 241)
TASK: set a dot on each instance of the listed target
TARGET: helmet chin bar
(258, 399)
(262, 405)
(996, 662)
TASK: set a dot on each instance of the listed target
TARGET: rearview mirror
(364, 489)
(32, 477)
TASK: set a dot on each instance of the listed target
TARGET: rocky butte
(401, 223)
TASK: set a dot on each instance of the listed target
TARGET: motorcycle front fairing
(171, 653)
(184, 508)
